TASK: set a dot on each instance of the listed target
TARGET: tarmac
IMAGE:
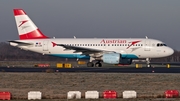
(94, 69)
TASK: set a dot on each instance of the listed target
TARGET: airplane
(97, 50)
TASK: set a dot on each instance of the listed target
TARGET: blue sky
(158, 19)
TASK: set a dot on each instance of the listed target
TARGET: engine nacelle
(126, 61)
(111, 58)
(115, 58)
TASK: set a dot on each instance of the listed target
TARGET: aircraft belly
(75, 55)
(61, 52)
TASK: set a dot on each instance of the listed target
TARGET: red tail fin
(26, 28)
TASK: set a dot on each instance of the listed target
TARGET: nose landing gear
(148, 62)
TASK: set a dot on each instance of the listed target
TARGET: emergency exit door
(45, 45)
(147, 45)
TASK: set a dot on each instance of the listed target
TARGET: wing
(85, 51)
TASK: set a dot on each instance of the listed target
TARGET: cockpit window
(164, 44)
(161, 44)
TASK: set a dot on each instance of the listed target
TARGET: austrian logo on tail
(22, 22)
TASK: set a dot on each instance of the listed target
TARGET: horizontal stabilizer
(21, 43)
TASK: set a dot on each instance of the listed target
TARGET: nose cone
(170, 51)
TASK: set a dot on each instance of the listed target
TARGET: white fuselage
(130, 48)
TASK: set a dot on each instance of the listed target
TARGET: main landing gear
(97, 64)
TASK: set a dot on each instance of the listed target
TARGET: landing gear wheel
(90, 64)
(98, 64)
(148, 65)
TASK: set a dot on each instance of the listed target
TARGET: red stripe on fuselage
(36, 34)
(19, 12)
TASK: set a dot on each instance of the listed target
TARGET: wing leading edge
(85, 51)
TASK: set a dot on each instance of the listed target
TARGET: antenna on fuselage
(74, 37)
(146, 37)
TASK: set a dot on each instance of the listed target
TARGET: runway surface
(94, 69)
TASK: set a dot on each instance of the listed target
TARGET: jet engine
(115, 58)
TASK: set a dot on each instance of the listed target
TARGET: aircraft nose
(170, 51)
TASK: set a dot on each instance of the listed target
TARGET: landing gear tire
(90, 64)
(98, 64)
(148, 65)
